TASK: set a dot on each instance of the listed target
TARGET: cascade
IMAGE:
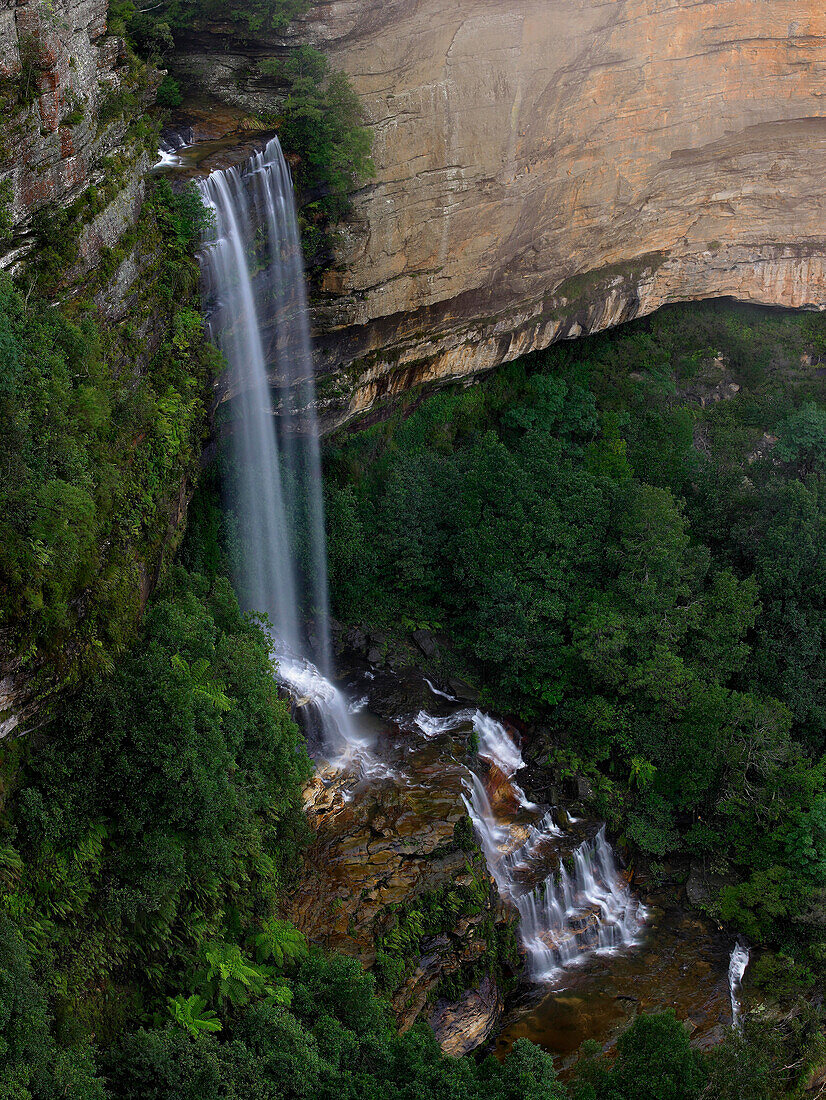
(278, 503)
(736, 969)
(565, 915)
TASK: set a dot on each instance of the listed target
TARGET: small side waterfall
(256, 301)
(169, 152)
(736, 969)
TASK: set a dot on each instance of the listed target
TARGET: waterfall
(736, 969)
(256, 304)
(567, 913)
(257, 307)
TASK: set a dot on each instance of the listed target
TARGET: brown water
(682, 965)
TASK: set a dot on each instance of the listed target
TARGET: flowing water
(169, 153)
(558, 872)
(257, 308)
(571, 899)
(736, 969)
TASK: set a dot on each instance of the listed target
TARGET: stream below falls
(595, 952)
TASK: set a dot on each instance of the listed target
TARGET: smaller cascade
(492, 835)
(736, 969)
(525, 856)
(572, 902)
(567, 917)
(310, 689)
(439, 692)
(328, 719)
(502, 753)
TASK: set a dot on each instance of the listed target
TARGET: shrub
(169, 93)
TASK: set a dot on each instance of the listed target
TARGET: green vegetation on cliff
(321, 122)
(623, 539)
(94, 452)
(433, 913)
(155, 813)
(251, 16)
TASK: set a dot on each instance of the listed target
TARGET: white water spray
(736, 969)
(258, 314)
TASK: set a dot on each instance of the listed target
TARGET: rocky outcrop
(69, 93)
(465, 1024)
(551, 168)
(394, 877)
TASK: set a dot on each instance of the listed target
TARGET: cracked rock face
(59, 68)
(550, 167)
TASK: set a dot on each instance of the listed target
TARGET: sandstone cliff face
(549, 167)
(61, 74)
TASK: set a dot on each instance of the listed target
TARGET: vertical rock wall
(63, 87)
(548, 167)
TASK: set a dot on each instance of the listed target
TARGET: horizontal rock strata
(552, 167)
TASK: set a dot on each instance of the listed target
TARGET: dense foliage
(626, 549)
(149, 828)
(251, 16)
(94, 452)
(321, 122)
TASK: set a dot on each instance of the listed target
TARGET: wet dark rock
(463, 691)
(584, 789)
(425, 641)
(356, 640)
(703, 886)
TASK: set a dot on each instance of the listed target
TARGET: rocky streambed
(522, 925)
(395, 877)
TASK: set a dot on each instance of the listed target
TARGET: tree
(654, 1062)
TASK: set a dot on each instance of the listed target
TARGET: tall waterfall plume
(257, 307)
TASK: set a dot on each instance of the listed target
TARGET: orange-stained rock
(500, 791)
(552, 167)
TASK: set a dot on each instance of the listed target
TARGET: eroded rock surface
(552, 167)
(395, 878)
(64, 82)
